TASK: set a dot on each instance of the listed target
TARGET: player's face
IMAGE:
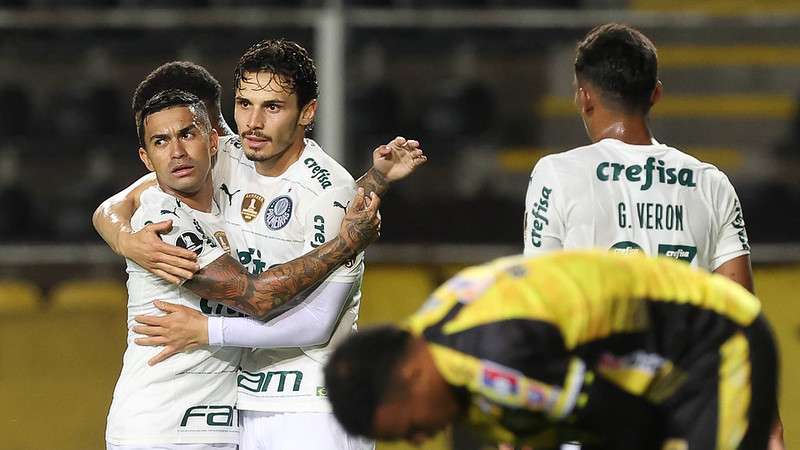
(178, 149)
(268, 117)
(411, 418)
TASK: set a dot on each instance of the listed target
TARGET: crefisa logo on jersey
(279, 211)
(251, 206)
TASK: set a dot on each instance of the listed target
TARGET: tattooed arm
(228, 282)
(392, 162)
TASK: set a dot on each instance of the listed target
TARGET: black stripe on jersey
(535, 348)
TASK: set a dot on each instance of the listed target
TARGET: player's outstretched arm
(112, 220)
(228, 282)
(392, 162)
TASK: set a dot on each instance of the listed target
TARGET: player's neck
(628, 129)
(200, 200)
(276, 166)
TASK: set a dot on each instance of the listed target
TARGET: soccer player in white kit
(292, 207)
(189, 402)
(625, 191)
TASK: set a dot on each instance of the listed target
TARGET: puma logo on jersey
(174, 211)
(339, 205)
(318, 173)
(608, 171)
(224, 189)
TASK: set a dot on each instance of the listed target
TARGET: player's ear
(213, 140)
(146, 159)
(657, 92)
(308, 112)
(585, 99)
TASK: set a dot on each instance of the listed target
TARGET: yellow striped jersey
(528, 337)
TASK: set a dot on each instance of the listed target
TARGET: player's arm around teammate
(391, 162)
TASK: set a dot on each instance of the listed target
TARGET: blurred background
(484, 84)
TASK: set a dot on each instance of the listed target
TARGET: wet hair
(183, 75)
(360, 372)
(622, 63)
(285, 59)
(170, 99)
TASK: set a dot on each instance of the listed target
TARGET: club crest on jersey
(251, 206)
(279, 211)
(222, 238)
(190, 241)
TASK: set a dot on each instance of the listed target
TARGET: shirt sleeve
(732, 237)
(544, 229)
(309, 323)
(323, 220)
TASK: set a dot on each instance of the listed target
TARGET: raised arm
(112, 220)
(392, 162)
(228, 282)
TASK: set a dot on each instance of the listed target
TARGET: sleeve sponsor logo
(509, 387)
(738, 223)
(190, 241)
(279, 211)
(319, 236)
(539, 216)
(318, 173)
(251, 206)
(653, 171)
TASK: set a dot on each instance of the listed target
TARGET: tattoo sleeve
(373, 181)
(228, 282)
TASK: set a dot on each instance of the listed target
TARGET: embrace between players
(615, 351)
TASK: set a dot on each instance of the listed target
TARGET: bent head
(383, 384)
(177, 141)
(185, 76)
(276, 98)
(616, 69)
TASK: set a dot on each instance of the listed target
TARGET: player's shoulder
(319, 171)
(230, 147)
(578, 156)
(156, 205)
(706, 172)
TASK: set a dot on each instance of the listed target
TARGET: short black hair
(359, 373)
(183, 75)
(283, 58)
(622, 63)
(170, 99)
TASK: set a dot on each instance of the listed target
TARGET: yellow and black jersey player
(621, 352)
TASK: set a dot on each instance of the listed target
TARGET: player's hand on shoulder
(399, 158)
(362, 223)
(169, 262)
(180, 329)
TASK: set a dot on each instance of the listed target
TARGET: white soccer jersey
(191, 396)
(626, 197)
(272, 220)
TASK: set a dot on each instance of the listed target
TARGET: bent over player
(619, 352)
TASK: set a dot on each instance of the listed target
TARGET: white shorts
(295, 431)
(110, 446)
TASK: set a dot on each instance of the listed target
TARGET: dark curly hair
(169, 99)
(183, 75)
(361, 372)
(622, 63)
(285, 59)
